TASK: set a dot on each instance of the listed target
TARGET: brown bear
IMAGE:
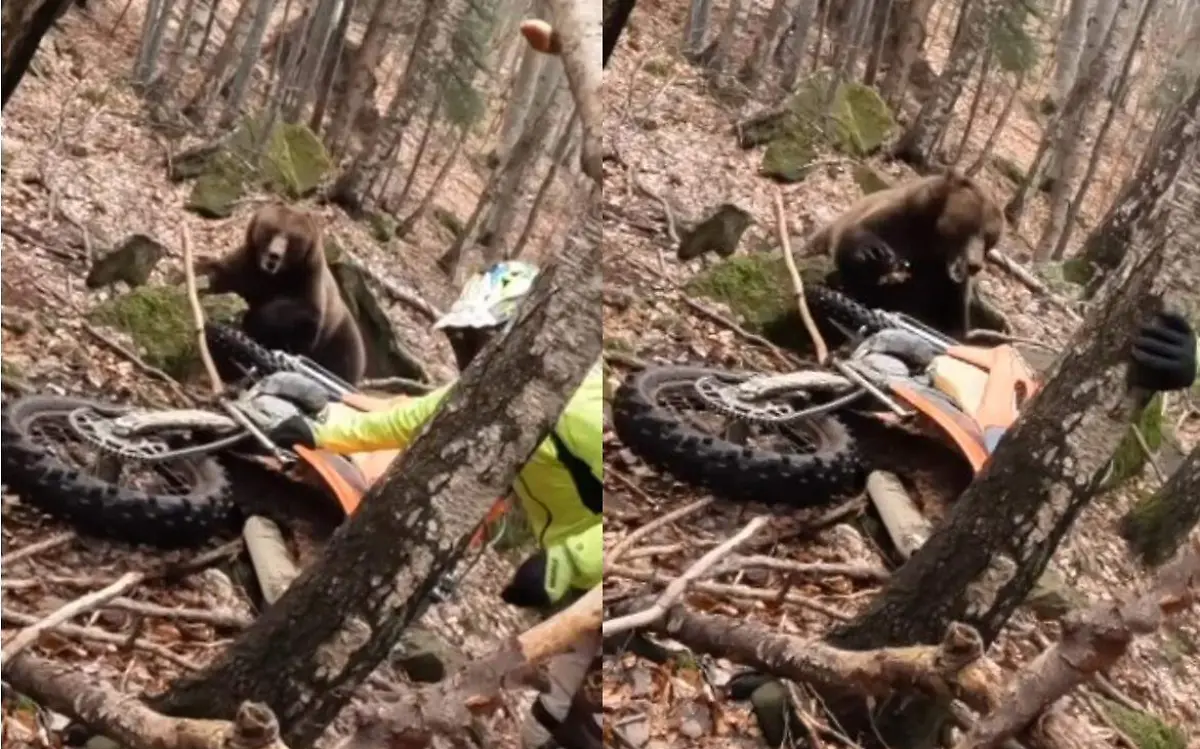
(915, 248)
(293, 301)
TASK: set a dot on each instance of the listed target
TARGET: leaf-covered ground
(666, 130)
(83, 170)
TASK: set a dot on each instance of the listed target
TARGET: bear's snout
(273, 255)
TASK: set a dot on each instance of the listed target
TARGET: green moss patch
(158, 319)
(293, 162)
(1146, 730)
(1130, 458)
(855, 121)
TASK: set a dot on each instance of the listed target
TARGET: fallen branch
(215, 617)
(273, 565)
(30, 634)
(1031, 282)
(67, 690)
(448, 707)
(189, 271)
(395, 291)
(679, 585)
(138, 362)
(664, 520)
(46, 544)
(1092, 642)
(727, 591)
(905, 524)
(717, 317)
(76, 632)
(956, 667)
(798, 282)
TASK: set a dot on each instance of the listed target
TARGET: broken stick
(797, 282)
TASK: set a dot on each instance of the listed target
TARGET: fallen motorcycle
(152, 476)
(777, 438)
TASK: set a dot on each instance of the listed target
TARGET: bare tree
(795, 39)
(912, 16)
(25, 23)
(917, 144)
(773, 29)
(1069, 48)
(699, 15)
(995, 543)
(1106, 245)
(1093, 163)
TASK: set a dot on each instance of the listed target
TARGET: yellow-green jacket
(552, 496)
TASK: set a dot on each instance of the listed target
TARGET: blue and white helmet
(491, 298)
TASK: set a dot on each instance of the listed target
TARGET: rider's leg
(566, 673)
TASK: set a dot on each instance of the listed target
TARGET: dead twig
(138, 362)
(76, 632)
(185, 239)
(717, 317)
(1031, 282)
(797, 282)
(1093, 641)
(30, 634)
(679, 585)
(46, 544)
(725, 590)
(215, 617)
(126, 719)
(626, 543)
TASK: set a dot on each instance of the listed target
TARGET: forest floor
(665, 126)
(83, 169)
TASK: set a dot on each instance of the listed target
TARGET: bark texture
(1157, 526)
(306, 654)
(918, 143)
(997, 540)
(126, 719)
(1070, 48)
(1106, 245)
(25, 22)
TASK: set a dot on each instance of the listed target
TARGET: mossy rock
(158, 320)
(1130, 458)
(1147, 731)
(293, 163)
(296, 161)
(758, 291)
(1078, 271)
(869, 180)
(132, 261)
(383, 226)
(1010, 169)
(861, 123)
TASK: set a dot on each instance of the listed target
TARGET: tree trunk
(1001, 121)
(1105, 247)
(976, 100)
(911, 15)
(916, 145)
(1103, 14)
(1076, 203)
(362, 70)
(1069, 49)
(523, 90)
(309, 651)
(1157, 526)
(25, 23)
(699, 14)
(616, 16)
(791, 58)
(995, 543)
(773, 28)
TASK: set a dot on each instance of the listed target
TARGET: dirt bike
(186, 495)
(966, 395)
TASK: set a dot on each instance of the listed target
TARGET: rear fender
(962, 431)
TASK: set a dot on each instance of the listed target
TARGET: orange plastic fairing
(1010, 383)
(966, 435)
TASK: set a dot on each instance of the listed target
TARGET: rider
(560, 488)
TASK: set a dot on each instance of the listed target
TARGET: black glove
(294, 430)
(1164, 354)
(541, 581)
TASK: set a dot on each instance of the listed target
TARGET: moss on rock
(293, 163)
(158, 319)
(1147, 731)
(856, 123)
(756, 288)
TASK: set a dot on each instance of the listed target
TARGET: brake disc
(726, 398)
